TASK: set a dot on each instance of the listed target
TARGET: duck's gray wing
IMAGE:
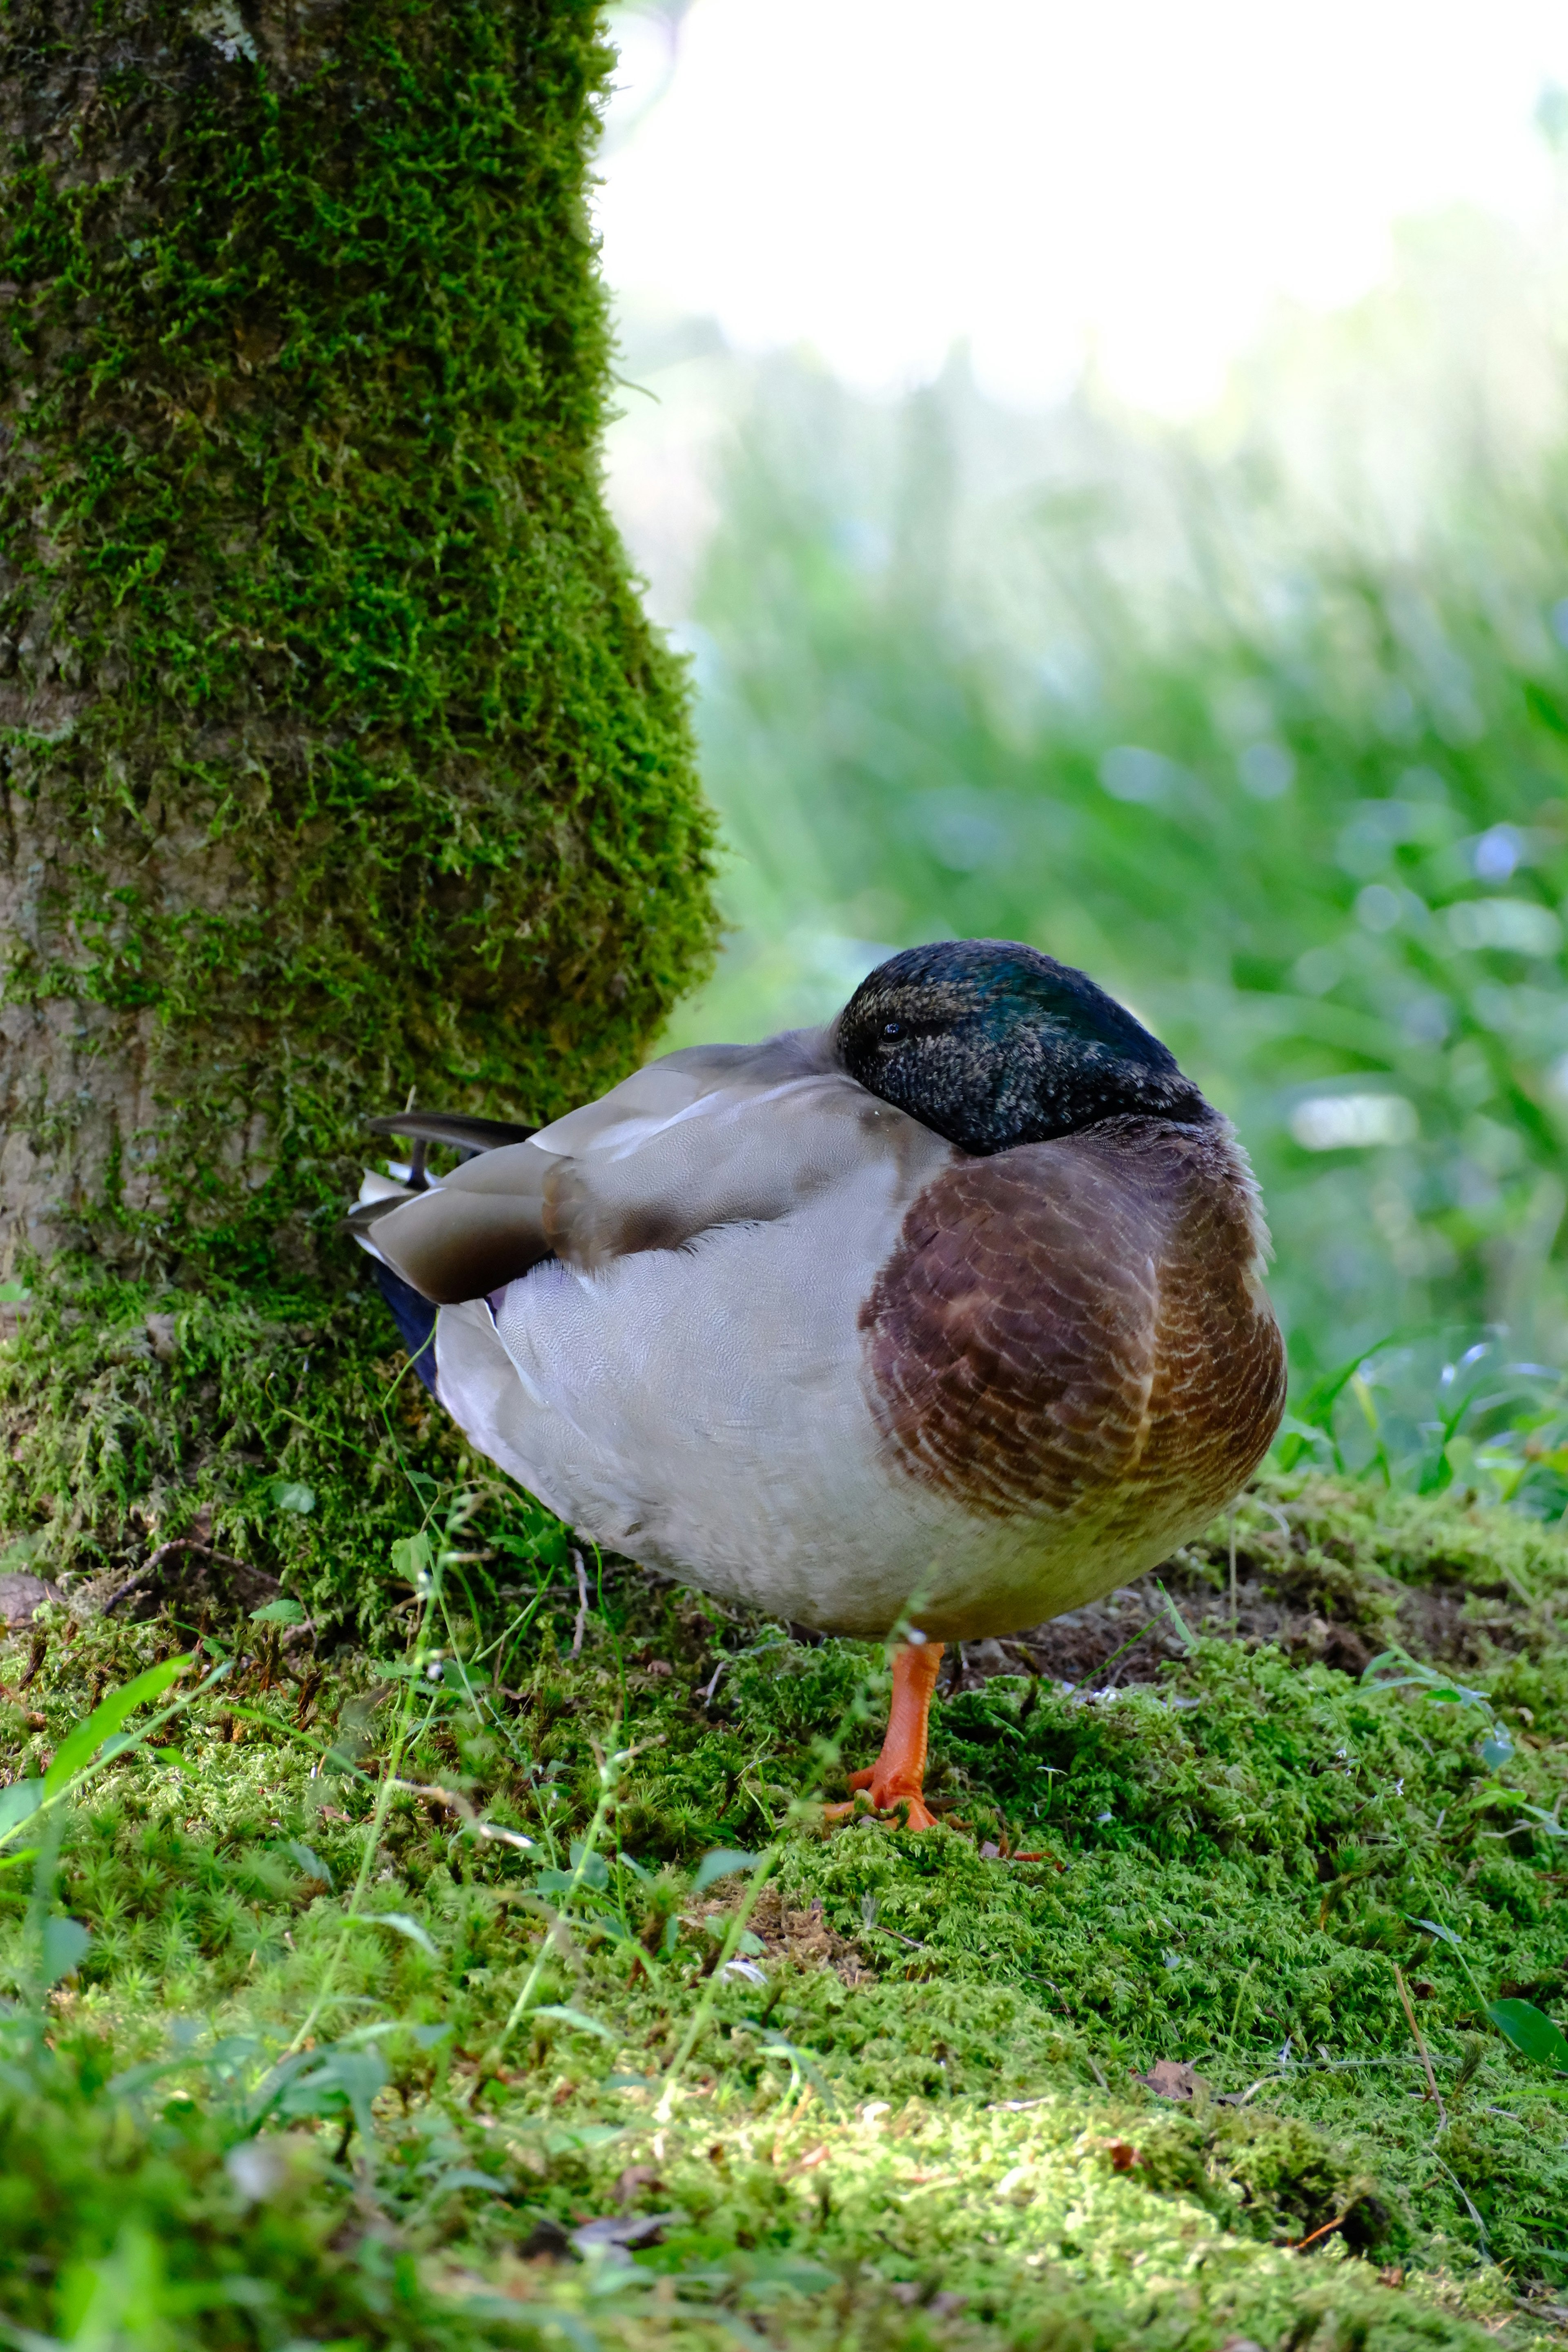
(713, 1136)
(483, 1226)
(475, 1232)
(379, 1195)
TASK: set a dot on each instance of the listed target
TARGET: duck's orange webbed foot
(898, 1777)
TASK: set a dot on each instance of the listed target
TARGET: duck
(926, 1325)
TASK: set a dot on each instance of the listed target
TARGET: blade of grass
(1432, 2091)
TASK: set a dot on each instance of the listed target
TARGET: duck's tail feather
(365, 1214)
(413, 1314)
(444, 1126)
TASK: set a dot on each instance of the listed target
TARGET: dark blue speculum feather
(414, 1317)
(991, 1043)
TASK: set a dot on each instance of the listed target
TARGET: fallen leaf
(1122, 2154)
(1171, 2079)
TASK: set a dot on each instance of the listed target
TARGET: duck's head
(991, 1044)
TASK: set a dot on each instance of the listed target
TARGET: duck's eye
(891, 1029)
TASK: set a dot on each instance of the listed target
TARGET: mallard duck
(946, 1317)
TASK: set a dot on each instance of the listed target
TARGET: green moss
(341, 759)
(142, 2234)
(924, 2127)
(135, 1409)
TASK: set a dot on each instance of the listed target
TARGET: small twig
(177, 1543)
(711, 1684)
(129, 1586)
(1299, 2245)
(454, 1801)
(582, 1605)
(435, 1794)
(1432, 2090)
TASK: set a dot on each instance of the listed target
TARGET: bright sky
(1049, 179)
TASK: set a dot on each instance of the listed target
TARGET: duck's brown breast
(1082, 1323)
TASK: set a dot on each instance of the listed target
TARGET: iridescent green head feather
(993, 1044)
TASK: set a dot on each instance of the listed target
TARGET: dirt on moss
(1330, 1571)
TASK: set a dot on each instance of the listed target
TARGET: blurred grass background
(1262, 719)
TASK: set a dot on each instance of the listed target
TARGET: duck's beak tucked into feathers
(959, 1297)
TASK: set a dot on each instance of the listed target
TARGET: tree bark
(338, 760)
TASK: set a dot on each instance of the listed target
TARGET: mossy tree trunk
(338, 758)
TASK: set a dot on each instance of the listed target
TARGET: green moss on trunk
(340, 760)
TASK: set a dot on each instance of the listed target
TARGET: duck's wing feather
(475, 1232)
(452, 1126)
(710, 1137)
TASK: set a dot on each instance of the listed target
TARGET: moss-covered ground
(411, 2011)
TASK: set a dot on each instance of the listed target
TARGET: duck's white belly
(706, 1410)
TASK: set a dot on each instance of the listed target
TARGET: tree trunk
(339, 760)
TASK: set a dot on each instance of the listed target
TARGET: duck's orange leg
(898, 1776)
